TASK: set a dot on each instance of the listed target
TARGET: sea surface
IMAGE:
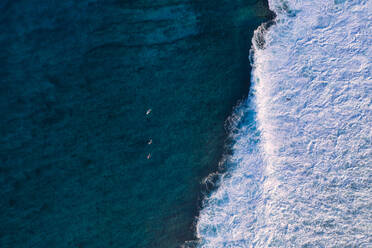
(300, 170)
(112, 114)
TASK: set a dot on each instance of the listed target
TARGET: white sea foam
(301, 174)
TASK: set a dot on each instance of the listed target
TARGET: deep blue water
(76, 81)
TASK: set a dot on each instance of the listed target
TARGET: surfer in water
(148, 111)
(149, 142)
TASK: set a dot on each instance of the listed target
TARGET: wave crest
(300, 172)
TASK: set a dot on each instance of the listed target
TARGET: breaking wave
(300, 171)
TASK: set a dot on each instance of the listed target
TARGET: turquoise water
(76, 82)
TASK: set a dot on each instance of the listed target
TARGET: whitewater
(300, 169)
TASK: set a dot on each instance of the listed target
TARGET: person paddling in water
(150, 140)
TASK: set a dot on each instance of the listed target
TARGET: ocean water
(76, 81)
(301, 165)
